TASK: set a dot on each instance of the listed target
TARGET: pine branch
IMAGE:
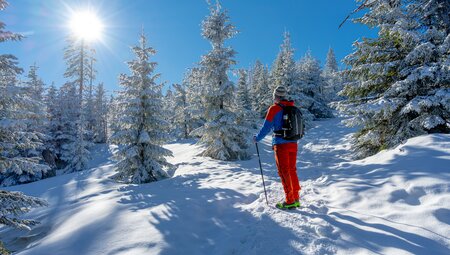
(362, 6)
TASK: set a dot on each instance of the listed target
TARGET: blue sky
(173, 29)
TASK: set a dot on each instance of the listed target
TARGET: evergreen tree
(13, 167)
(243, 106)
(52, 117)
(114, 112)
(100, 110)
(283, 70)
(13, 204)
(195, 109)
(243, 95)
(168, 105)
(140, 155)
(179, 110)
(67, 126)
(79, 58)
(309, 93)
(331, 65)
(35, 88)
(222, 137)
(260, 91)
(332, 78)
(90, 103)
(15, 139)
(401, 78)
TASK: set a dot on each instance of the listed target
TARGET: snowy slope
(396, 202)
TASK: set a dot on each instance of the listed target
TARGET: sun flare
(86, 25)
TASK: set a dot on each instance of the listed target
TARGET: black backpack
(293, 127)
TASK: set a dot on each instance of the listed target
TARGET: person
(285, 150)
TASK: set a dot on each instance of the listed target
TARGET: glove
(254, 139)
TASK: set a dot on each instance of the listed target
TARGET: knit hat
(280, 92)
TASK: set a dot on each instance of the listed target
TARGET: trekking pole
(262, 176)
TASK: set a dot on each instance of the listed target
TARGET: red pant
(286, 159)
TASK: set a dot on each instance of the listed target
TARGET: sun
(86, 25)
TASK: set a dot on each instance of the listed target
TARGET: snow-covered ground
(396, 202)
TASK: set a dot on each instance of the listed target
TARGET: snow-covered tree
(332, 78)
(17, 164)
(401, 79)
(15, 139)
(242, 93)
(179, 110)
(167, 107)
(100, 110)
(13, 167)
(35, 89)
(243, 105)
(283, 69)
(67, 131)
(35, 83)
(259, 89)
(14, 204)
(52, 117)
(79, 57)
(222, 137)
(141, 158)
(90, 99)
(195, 108)
(114, 112)
(331, 65)
(308, 92)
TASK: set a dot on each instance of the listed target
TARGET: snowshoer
(285, 150)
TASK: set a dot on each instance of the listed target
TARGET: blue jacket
(274, 122)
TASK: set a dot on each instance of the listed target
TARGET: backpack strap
(279, 132)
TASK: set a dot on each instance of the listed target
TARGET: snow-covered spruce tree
(52, 112)
(140, 155)
(243, 105)
(114, 112)
(332, 78)
(331, 65)
(222, 137)
(15, 139)
(402, 79)
(78, 57)
(179, 110)
(17, 166)
(309, 88)
(13, 204)
(259, 89)
(283, 69)
(67, 126)
(195, 109)
(422, 92)
(167, 107)
(13, 167)
(100, 109)
(89, 101)
(35, 89)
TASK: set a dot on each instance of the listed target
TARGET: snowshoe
(284, 205)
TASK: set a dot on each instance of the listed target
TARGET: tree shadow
(68, 196)
(194, 218)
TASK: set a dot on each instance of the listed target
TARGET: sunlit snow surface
(396, 202)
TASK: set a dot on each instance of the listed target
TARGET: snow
(395, 202)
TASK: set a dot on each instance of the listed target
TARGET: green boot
(284, 205)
